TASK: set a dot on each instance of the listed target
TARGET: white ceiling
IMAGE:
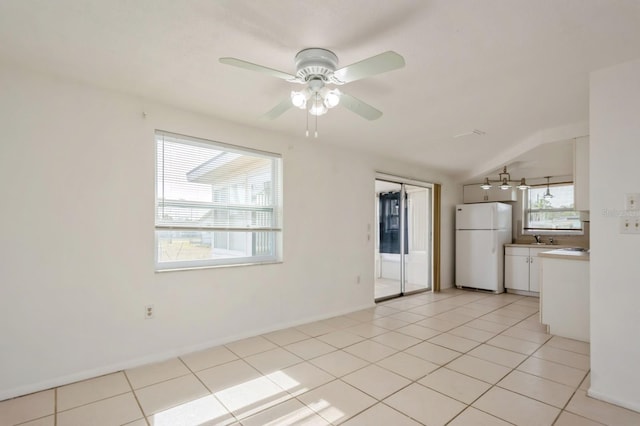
(515, 69)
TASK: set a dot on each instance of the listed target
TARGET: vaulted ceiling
(517, 70)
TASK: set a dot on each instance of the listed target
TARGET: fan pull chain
(306, 134)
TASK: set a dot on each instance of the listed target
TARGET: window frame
(547, 231)
(274, 231)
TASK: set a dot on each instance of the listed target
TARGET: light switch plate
(630, 225)
(632, 202)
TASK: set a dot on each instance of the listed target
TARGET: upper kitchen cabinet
(581, 173)
(475, 194)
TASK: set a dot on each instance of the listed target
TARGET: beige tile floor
(456, 358)
(385, 287)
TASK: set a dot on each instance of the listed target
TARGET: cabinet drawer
(516, 251)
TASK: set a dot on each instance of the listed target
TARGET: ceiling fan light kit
(316, 68)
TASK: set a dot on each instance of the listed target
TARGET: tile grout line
(86, 403)
(207, 387)
(135, 396)
(564, 408)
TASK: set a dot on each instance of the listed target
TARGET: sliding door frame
(406, 181)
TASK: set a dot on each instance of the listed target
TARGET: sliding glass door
(418, 253)
(388, 254)
(403, 255)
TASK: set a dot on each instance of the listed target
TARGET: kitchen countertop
(544, 246)
(565, 254)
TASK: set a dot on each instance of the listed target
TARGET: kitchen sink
(575, 249)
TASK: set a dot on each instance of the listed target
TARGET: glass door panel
(417, 255)
(388, 253)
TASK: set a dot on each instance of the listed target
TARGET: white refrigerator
(482, 230)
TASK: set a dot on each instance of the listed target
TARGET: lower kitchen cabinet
(522, 269)
(564, 297)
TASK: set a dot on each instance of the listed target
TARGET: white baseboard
(630, 405)
(162, 356)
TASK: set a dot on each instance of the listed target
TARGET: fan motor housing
(315, 63)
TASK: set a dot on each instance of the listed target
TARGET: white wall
(77, 239)
(615, 270)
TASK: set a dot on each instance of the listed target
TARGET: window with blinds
(216, 204)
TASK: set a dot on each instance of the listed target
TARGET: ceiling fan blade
(277, 110)
(387, 61)
(363, 109)
(255, 67)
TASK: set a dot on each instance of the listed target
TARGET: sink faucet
(538, 239)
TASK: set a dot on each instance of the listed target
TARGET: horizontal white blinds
(209, 186)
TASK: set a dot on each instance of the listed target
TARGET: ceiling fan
(316, 68)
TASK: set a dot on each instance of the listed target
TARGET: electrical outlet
(631, 202)
(149, 312)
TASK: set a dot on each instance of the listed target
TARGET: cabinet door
(534, 268)
(474, 194)
(534, 273)
(497, 194)
(516, 272)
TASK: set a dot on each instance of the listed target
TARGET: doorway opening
(404, 237)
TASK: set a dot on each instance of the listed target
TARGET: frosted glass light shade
(298, 99)
(318, 108)
(332, 98)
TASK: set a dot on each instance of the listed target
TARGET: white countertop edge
(565, 255)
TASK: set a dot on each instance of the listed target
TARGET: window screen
(216, 204)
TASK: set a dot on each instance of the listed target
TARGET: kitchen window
(555, 214)
(216, 204)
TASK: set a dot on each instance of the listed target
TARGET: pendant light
(504, 178)
(505, 184)
(547, 195)
(523, 185)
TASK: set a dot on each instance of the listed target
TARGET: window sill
(551, 233)
(232, 265)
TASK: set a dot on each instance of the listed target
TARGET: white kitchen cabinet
(475, 194)
(581, 173)
(522, 269)
(564, 297)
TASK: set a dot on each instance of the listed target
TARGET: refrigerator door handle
(493, 217)
(495, 234)
(495, 242)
